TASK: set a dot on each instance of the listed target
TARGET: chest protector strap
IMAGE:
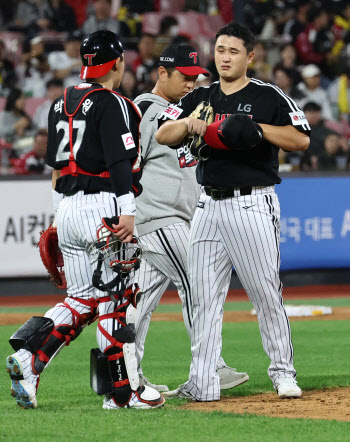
(72, 168)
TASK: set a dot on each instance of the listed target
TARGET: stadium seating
(31, 104)
(191, 23)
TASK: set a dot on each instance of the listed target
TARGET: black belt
(221, 193)
(86, 192)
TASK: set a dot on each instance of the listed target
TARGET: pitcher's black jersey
(263, 102)
(104, 132)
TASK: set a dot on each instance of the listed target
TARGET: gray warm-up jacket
(170, 189)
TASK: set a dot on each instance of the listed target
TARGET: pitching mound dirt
(318, 404)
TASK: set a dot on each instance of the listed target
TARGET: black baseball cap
(182, 57)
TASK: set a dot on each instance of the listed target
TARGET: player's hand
(125, 227)
(196, 127)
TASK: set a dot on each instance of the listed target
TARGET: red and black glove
(236, 132)
(51, 256)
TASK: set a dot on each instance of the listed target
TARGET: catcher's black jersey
(263, 102)
(105, 131)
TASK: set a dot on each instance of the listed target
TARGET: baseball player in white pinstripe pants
(166, 206)
(236, 222)
(94, 149)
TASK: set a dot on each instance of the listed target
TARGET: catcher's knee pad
(32, 334)
(40, 336)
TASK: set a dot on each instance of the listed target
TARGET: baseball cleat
(179, 392)
(287, 388)
(144, 398)
(23, 391)
(230, 377)
(146, 382)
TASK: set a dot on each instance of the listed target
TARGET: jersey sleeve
(51, 140)
(148, 126)
(117, 131)
(289, 113)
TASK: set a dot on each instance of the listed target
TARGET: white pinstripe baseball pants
(164, 259)
(77, 220)
(242, 232)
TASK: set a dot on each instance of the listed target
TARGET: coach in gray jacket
(166, 206)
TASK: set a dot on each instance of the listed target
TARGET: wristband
(126, 204)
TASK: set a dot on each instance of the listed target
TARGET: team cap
(98, 53)
(182, 57)
(310, 70)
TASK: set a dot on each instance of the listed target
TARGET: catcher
(94, 149)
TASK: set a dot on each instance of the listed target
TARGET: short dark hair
(12, 98)
(41, 132)
(316, 12)
(167, 22)
(287, 71)
(56, 82)
(311, 106)
(169, 71)
(239, 31)
(286, 45)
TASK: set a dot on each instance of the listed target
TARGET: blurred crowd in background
(302, 46)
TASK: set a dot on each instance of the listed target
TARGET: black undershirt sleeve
(121, 177)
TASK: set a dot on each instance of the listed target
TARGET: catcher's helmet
(98, 53)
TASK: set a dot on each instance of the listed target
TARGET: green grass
(69, 410)
(229, 306)
(247, 305)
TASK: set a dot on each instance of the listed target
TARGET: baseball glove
(240, 132)
(198, 147)
(51, 256)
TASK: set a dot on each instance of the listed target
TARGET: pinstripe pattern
(164, 260)
(25, 357)
(226, 233)
(77, 221)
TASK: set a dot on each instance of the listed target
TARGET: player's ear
(250, 57)
(162, 73)
(118, 64)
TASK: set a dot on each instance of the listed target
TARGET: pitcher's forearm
(172, 133)
(285, 137)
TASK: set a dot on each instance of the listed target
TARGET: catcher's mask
(121, 257)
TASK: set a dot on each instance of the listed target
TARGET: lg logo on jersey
(245, 108)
